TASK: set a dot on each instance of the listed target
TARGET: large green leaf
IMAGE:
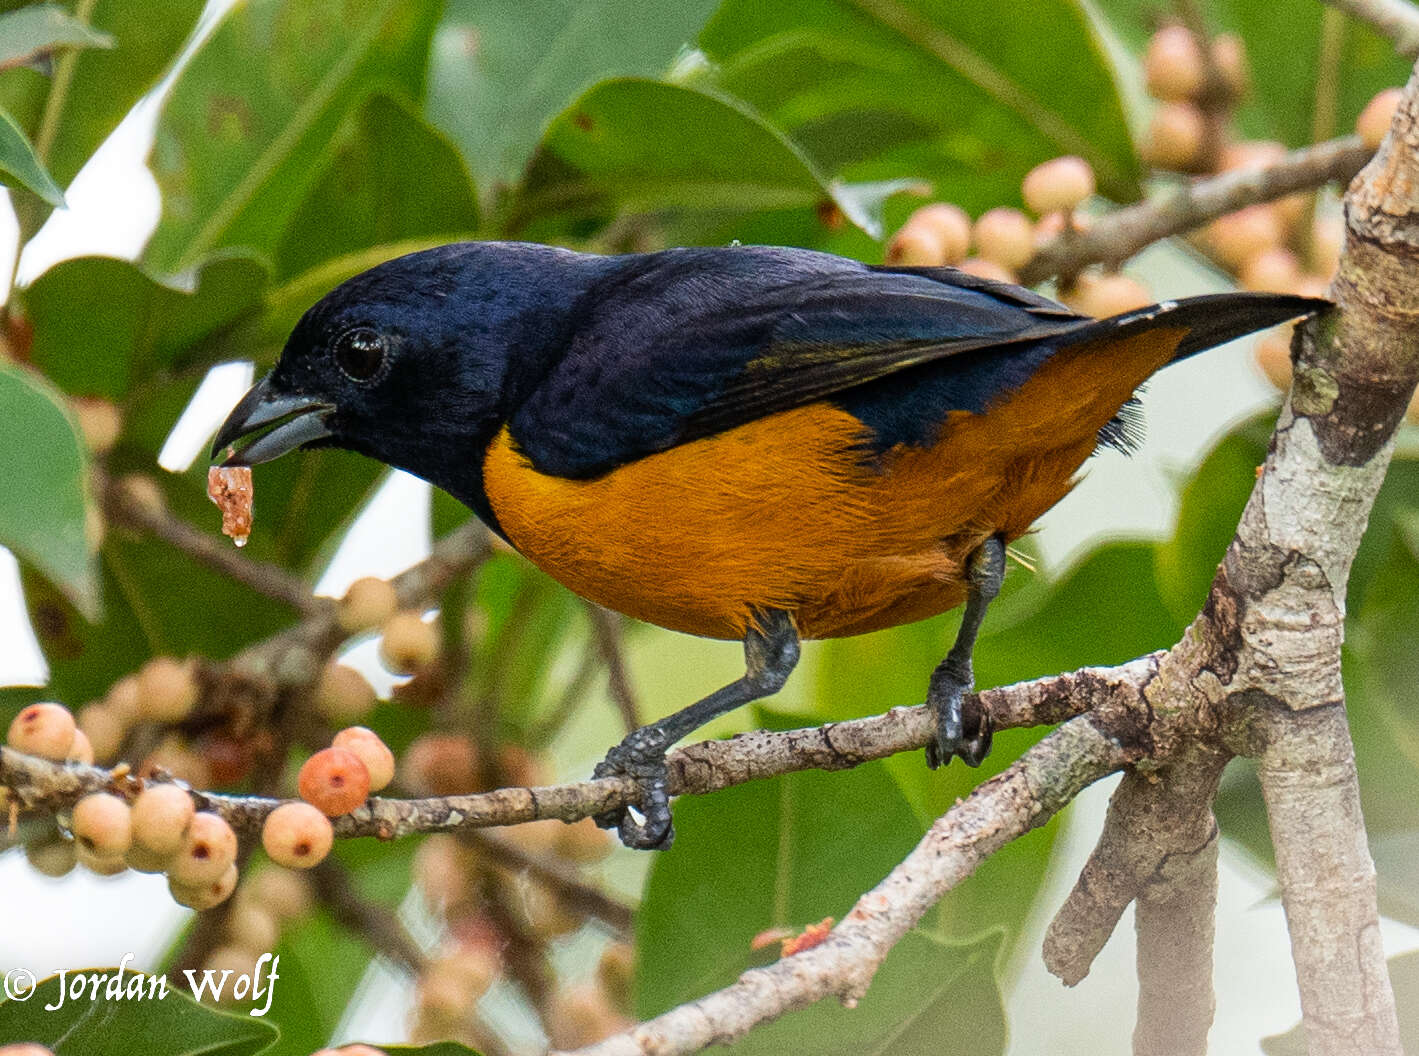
(40, 29)
(781, 853)
(243, 135)
(644, 147)
(21, 167)
(168, 1025)
(930, 89)
(103, 326)
(500, 71)
(44, 500)
(393, 177)
(100, 85)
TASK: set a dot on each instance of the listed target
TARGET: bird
(753, 443)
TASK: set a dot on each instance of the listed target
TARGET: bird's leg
(770, 655)
(953, 678)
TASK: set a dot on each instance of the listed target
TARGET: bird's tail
(1211, 319)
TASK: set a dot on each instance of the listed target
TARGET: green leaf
(132, 328)
(102, 84)
(393, 177)
(500, 72)
(929, 89)
(929, 998)
(44, 488)
(785, 852)
(241, 141)
(32, 31)
(641, 146)
(20, 164)
(168, 1025)
(1404, 977)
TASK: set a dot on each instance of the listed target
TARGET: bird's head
(415, 361)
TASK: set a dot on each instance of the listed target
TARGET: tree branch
(1023, 797)
(1119, 235)
(1395, 19)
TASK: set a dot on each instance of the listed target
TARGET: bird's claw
(952, 739)
(641, 757)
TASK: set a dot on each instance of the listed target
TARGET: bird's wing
(688, 343)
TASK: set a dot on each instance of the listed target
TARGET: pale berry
(1273, 270)
(167, 689)
(285, 893)
(1005, 236)
(81, 751)
(103, 824)
(408, 643)
(367, 603)
(252, 927)
(206, 894)
(99, 421)
(371, 751)
(161, 815)
(916, 247)
(53, 857)
(209, 847)
(343, 693)
(986, 269)
(1058, 185)
(440, 764)
(1175, 136)
(45, 730)
(104, 730)
(334, 780)
(297, 835)
(1173, 66)
(1378, 115)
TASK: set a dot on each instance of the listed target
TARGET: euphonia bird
(744, 442)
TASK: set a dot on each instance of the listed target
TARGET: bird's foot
(641, 756)
(952, 738)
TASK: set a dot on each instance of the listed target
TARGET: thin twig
(380, 927)
(1023, 797)
(1395, 19)
(1119, 235)
(608, 628)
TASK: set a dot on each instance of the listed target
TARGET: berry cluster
(263, 905)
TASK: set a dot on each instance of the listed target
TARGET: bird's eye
(360, 353)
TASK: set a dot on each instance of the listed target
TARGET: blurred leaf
(1404, 977)
(19, 163)
(240, 142)
(33, 31)
(44, 499)
(137, 327)
(393, 177)
(609, 153)
(929, 89)
(786, 852)
(174, 1025)
(929, 998)
(103, 83)
(1208, 512)
(500, 72)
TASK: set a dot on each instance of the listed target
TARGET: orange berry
(986, 269)
(1173, 67)
(208, 849)
(367, 603)
(1273, 270)
(167, 689)
(916, 247)
(343, 693)
(25, 1048)
(408, 643)
(372, 751)
(1273, 356)
(161, 815)
(1057, 185)
(335, 781)
(45, 730)
(1378, 115)
(297, 835)
(1005, 236)
(103, 825)
(1175, 136)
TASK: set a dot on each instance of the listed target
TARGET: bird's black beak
(292, 421)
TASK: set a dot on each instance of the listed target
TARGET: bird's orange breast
(785, 512)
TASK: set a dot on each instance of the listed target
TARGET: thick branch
(1396, 19)
(1119, 235)
(1023, 797)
